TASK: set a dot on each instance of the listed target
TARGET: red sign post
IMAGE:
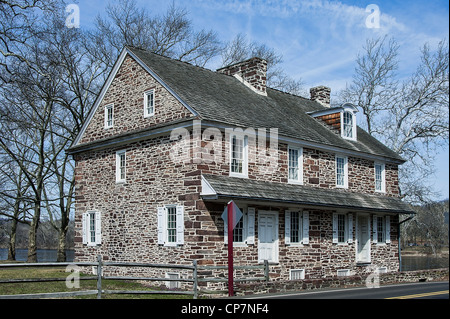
(230, 249)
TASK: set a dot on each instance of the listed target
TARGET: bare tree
(409, 116)
(240, 49)
(171, 34)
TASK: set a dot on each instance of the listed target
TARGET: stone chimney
(322, 95)
(252, 72)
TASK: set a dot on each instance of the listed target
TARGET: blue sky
(319, 40)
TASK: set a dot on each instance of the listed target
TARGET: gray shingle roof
(221, 98)
(240, 188)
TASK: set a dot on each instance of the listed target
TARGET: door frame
(369, 242)
(276, 242)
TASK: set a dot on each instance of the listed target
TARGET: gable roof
(225, 187)
(220, 98)
(223, 99)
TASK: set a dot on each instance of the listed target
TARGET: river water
(43, 255)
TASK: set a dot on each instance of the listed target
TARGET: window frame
(109, 107)
(148, 114)
(163, 225)
(244, 139)
(344, 125)
(382, 176)
(299, 179)
(91, 228)
(119, 178)
(348, 228)
(345, 171)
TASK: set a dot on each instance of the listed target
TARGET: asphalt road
(422, 290)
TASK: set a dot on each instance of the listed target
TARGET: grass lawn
(60, 286)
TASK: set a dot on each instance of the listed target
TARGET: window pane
(238, 231)
(237, 155)
(92, 227)
(341, 228)
(340, 171)
(172, 224)
(150, 103)
(348, 124)
(380, 229)
(122, 166)
(378, 177)
(293, 164)
(295, 227)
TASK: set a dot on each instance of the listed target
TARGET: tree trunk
(32, 248)
(61, 257)
(12, 241)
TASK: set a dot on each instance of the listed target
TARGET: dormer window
(348, 125)
(341, 119)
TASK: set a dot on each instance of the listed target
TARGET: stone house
(168, 144)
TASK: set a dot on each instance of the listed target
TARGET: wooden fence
(100, 265)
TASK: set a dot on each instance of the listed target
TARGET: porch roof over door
(215, 187)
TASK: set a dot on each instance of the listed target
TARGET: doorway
(267, 236)
(363, 239)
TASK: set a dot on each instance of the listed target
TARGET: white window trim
(303, 228)
(248, 232)
(119, 178)
(345, 171)
(301, 271)
(162, 226)
(107, 107)
(387, 229)
(348, 231)
(354, 137)
(146, 94)
(299, 180)
(244, 173)
(86, 227)
(383, 177)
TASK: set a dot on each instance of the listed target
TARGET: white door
(267, 236)
(363, 238)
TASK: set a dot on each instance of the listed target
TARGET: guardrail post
(195, 277)
(266, 270)
(99, 277)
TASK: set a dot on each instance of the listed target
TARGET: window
(109, 116)
(295, 160)
(342, 228)
(343, 272)
(171, 225)
(380, 184)
(341, 171)
(239, 156)
(121, 164)
(296, 228)
(91, 221)
(244, 232)
(172, 284)
(149, 103)
(381, 228)
(297, 274)
(347, 125)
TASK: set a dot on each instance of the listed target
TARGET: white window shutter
(180, 225)
(335, 228)
(388, 229)
(287, 227)
(350, 228)
(98, 228)
(251, 226)
(305, 228)
(161, 225)
(85, 228)
(375, 229)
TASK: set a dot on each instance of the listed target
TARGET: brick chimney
(321, 94)
(252, 72)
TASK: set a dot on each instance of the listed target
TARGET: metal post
(99, 277)
(195, 277)
(230, 250)
(266, 270)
